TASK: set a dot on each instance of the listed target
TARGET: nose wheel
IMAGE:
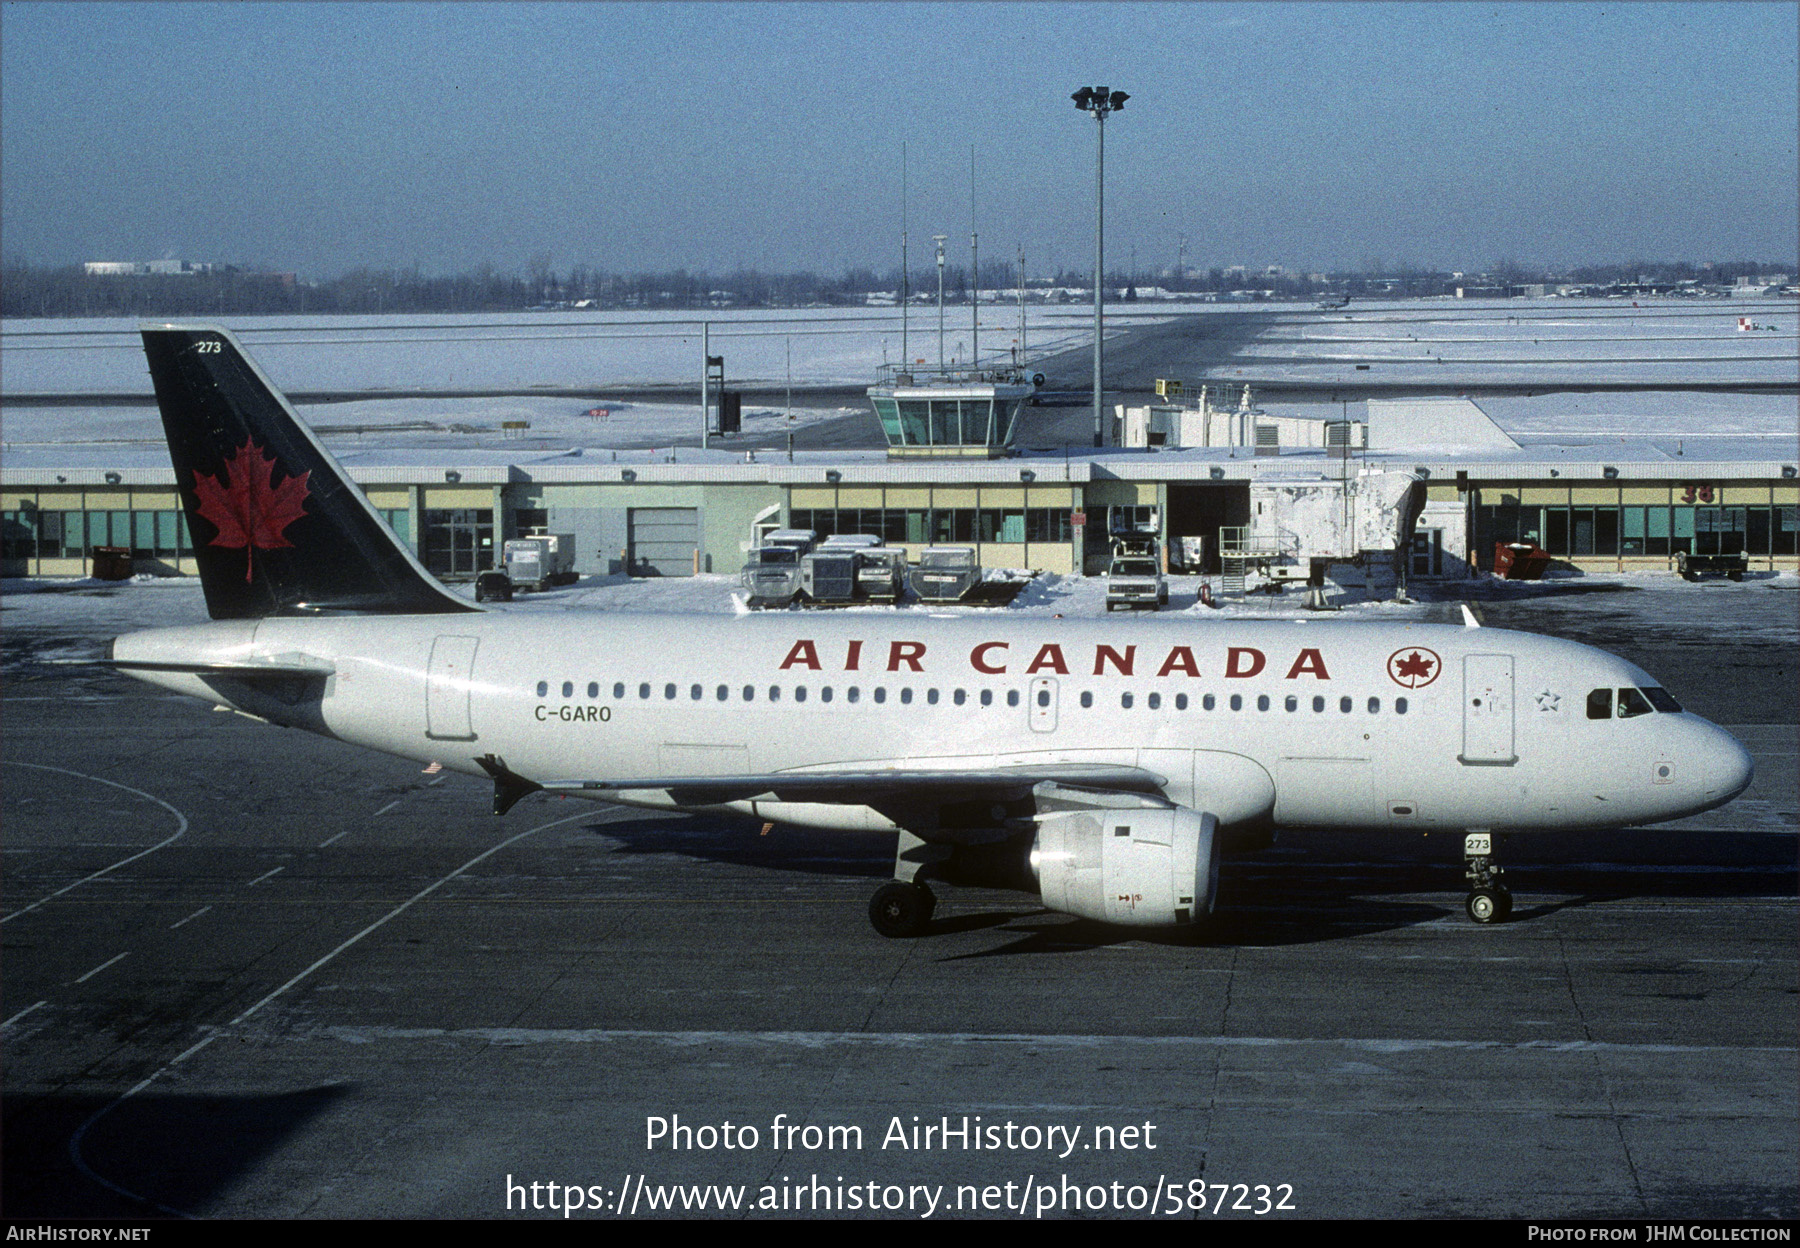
(1489, 901)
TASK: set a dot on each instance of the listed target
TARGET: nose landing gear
(1489, 901)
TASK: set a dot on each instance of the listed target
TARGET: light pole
(939, 240)
(1099, 101)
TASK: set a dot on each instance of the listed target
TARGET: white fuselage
(1310, 723)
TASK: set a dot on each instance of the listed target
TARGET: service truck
(540, 562)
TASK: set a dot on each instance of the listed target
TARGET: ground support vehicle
(542, 561)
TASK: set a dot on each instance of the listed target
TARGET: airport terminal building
(1281, 489)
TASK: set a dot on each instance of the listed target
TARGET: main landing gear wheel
(1489, 905)
(899, 910)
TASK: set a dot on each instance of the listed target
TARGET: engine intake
(1144, 867)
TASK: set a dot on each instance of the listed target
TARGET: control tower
(951, 414)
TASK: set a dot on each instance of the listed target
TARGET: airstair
(1239, 548)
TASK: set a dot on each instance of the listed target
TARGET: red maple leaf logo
(249, 509)
(1413, 668)
(1413, 665)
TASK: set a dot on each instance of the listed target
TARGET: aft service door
(1488, 709)
(447, 689)
(1043, 705)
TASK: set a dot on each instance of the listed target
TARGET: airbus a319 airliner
(1107, 760)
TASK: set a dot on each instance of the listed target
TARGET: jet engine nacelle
(1144, 867)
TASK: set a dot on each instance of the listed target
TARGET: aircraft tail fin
(278, 527)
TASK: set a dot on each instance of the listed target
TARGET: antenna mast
(975, 273)
(905, 294)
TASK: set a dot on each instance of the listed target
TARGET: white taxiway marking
(378, 814)
(196, 914)
(102, 967)
(340, 836)
(265, 875)
(396, 912)
(180, 832)
(21, 1014)
(902, 1039)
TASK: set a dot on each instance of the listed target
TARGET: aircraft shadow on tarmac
(1315, 886)
(171, 1153)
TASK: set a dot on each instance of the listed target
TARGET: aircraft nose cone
(1729, 768)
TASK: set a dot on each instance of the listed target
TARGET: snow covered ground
(519, 351)
(1542, 342)
(1566, 341)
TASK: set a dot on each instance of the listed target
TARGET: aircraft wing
(874, 786)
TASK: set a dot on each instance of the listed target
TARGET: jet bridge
(1366, 519)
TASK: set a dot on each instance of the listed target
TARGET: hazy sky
(317, 137)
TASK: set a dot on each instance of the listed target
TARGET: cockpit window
(1660, 699)
(1632, 703)
(1600, 704)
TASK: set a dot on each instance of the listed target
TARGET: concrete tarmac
(252, 973)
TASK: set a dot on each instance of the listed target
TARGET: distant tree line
(28, 291)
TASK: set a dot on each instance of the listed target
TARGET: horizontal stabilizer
(237, 671)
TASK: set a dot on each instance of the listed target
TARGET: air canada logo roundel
(1414, 667)
(249, 509)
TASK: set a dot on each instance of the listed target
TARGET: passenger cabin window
(1374, 706)
(568, 688)
(644, 690)
(593, 688)
(1124, 700)
(669, 692)
(543, 688)
(619, 690)
(799, 693)
(1399, 706)
(694, 692)
(1181, 701)
(1318, 703)
(1012, 697)
(1346, 705)
(987, 697)
(1600, 704)
(880, 694)
(1262, 701)
(723, 692)
(1154, 701)
(749, 693)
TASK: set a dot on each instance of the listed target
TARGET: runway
(251, 973)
